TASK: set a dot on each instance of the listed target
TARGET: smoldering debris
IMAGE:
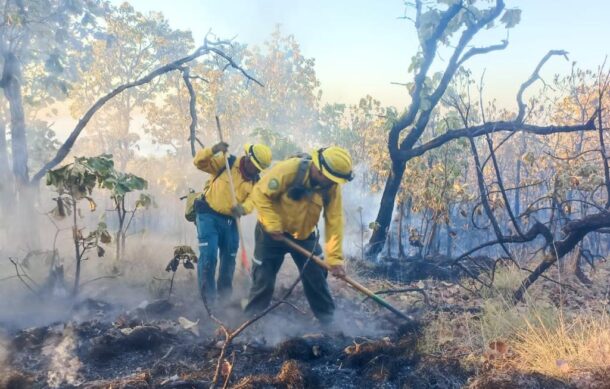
(138, 348)
(64, 364)
(173, 344)
(141, 349)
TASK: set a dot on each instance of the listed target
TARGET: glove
(221, 146)
(338, 271)
(238, 211)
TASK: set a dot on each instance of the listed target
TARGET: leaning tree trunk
(432, 248)
(6, 190)
(11, 78)
(574, 232)
(384, 217)
(7, 194)
(11, 83)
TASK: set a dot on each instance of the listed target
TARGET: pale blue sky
(360, 46)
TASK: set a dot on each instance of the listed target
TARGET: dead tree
(424, 99)
(556, 242)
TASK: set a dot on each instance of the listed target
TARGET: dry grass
(541, 337)
(438, 335)
(580, 343)
(506, 280)
(502, 321)
(547, 339)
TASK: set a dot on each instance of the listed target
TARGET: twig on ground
(405, 290)
(226, 385)
(169, 351)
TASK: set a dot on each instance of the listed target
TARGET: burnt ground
(134, 353)
(109, 346)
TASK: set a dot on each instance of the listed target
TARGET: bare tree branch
(488, 128)
(24, 278)
(482, 50)
(484, 197)
(429, 52)
(570, 158)
(208, 47)
(535, 76)
(454, 64)
(501, 185)
(192, 107)
(574, 231)
(601, 91)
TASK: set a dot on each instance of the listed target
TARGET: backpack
(297, 189)
(190, 212)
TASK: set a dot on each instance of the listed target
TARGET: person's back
(289, 202)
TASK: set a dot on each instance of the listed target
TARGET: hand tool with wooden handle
(244, 256)
(353, 283)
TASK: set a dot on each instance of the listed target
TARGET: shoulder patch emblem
(273, 184)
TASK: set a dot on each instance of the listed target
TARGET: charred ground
(106, 345)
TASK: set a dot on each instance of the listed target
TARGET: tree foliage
(120, 184)
(132, 45)
(73, 183)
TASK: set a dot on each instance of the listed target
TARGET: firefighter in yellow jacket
(216, 213)
(289, 200)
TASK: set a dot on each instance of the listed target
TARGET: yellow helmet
(335, 163)
(259, 154)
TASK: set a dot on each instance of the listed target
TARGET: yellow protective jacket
(279, 213)
(218, 193)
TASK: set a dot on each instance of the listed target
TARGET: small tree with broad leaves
(73, 183)
(120, 185)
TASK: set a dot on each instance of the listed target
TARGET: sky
(362, 46)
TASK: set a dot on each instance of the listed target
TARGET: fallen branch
(231, 335)
(405, 290)
(458, 309)
(299, 310)
(184, 384)
(158, 361)
(231, 365)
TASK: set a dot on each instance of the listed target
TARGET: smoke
(296, 319)
(3, 352)
(63, 362)
(360, 207)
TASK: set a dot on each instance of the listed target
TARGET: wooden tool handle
(353, 283)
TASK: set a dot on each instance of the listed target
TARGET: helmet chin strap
(316, 183)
